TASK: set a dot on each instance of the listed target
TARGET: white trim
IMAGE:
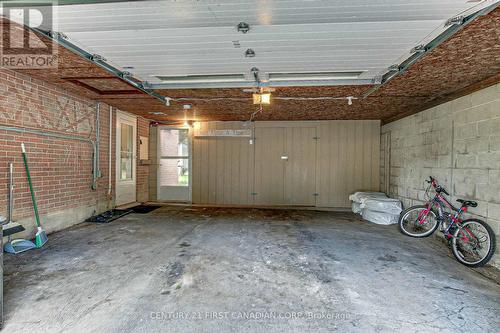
(124, 117)
(190, 162)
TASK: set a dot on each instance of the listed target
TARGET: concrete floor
(229, 270)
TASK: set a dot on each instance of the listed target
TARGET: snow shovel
(40, 237)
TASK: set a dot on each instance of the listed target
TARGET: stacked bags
(376, 207)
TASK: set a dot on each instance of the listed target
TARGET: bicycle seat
(467, 203)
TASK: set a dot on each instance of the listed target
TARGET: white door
(126, 141)
(174, 169)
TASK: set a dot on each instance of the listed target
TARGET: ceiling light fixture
(457, 20)
(261, 98)
(302, 76)
(243, 27)
(157, 113)
(57, 34)
(419, 49)
(187, 107)
(249, 53)
(349, 99)
(125, 74)
(98, 57)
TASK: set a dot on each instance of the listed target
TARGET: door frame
(124, 117)
(190, 161)
(386, 138)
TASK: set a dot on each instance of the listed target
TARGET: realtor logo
(21, 47)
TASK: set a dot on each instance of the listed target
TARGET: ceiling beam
(454, 27)
(250, 84)
(61, 40)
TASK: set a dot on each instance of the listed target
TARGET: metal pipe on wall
(98, 135)
(110, 150)
(59, 136)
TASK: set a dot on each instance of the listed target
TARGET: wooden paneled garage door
(285, 166)
(307, 163)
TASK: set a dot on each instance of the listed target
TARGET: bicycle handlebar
(436, 186)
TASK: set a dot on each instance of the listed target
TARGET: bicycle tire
(406, 212)
(491, 250)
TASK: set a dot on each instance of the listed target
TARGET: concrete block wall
(459, 144)
(61, 169)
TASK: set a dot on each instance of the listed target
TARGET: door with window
(126, 145)
(174, 164)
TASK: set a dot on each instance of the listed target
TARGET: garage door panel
(236, 171)
(300, 168)
(348, 160)
(223, 166)
(269, 167)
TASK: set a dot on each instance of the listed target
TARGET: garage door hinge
(316, 138)
(254, 193)
(316, 194)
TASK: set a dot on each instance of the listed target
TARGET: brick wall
(142, 169)
(459, 144)
(61, 169)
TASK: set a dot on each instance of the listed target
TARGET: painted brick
(466, 131)
(471, 176)
(488, 192)
(494, 176)
(494, 143)
(494, 211)
(489, 127)
(470, 170)
(466, 161)
(488, 160)
(61, 169)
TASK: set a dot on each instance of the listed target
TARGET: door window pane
(174, 142)
(126, 152)
(174, 172)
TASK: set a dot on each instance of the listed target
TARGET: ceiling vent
(309, 76)
(202, 78)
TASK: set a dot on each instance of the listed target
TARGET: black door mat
(109, 216)
(144, 209)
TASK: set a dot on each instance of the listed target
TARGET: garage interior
(230, 135)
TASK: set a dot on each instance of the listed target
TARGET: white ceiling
(188, 37)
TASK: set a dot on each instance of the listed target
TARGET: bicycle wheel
(418, 221)
(474, 243)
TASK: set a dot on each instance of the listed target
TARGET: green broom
(40, 237)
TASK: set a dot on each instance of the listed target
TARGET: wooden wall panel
(270, 145)
(226, 170)
(348, 160)
(300, 169)
(222, 166)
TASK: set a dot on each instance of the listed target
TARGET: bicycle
(472, 241)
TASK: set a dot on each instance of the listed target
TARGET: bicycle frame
(441, 204)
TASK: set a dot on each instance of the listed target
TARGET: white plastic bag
(356, 208)
(384, 205)
(359, 197)
(379, 217)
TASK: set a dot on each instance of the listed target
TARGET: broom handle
(35, 208)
